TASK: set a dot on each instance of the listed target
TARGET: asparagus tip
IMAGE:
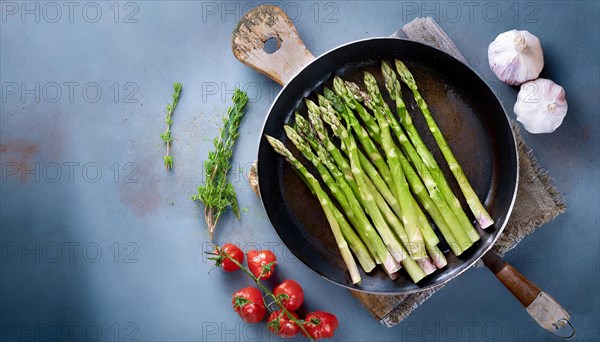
(369, 75)
(323, 102)
(385, 67)
(327, 92)
(405, 75)
(312, 107)
(277, 145)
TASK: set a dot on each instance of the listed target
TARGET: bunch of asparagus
(382, 188)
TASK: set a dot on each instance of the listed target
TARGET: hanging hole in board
(271, 45)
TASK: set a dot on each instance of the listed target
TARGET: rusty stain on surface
(28, 149)
(143, 197)
(46, 140)
(22, 154)
(18, 146)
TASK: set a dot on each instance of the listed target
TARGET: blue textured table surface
(99, 242)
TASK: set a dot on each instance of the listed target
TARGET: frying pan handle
(544, 309)
(259, 25)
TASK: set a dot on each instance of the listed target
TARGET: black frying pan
(475, 125)
(467, 111)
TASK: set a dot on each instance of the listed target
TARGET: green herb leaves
(166, 136)
(217, 193)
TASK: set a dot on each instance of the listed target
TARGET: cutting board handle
(255, 29)
(544, 309)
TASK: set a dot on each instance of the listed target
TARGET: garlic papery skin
(516, 57)
(541, 106)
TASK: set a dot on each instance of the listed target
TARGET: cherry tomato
(320, 324)
(248, 303)
(291, 294)
(234, 252)
(284, 326)
(261, 262)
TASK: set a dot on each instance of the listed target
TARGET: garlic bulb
(516, 57)
(541, 106)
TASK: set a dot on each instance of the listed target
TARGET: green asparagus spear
(390, 217)
(386, 235)
(342, 192)
(321, 132)
(366, 142)
(351, 99)
(344, 165)
(363, 137)
(326, 158)
(393, 87)
(328, 207)
(437, 256)
(409, 217)
(413, 269)
(419, 189)
(426, 157)
(462, 239)
(481, 214)
(385, 210)
(346, 113)
(374, 176)
(414, 181)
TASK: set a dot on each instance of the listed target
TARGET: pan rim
(468, 264)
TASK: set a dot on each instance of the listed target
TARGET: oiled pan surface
(467, 112)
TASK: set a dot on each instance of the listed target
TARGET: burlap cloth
(537, 200)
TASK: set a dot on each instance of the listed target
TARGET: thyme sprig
(166, 136)
(217, 193)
